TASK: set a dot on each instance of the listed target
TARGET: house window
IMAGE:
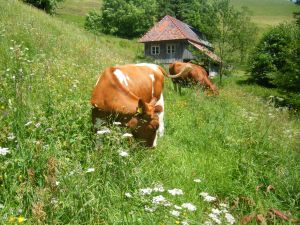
(171, 49)
(155, 50)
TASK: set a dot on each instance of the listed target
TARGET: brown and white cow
(197, 75)
(133, 95)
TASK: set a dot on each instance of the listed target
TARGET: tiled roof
(169, 28)
(206, 51)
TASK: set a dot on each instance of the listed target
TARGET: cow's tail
(182, 72)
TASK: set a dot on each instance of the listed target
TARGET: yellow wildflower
(21, 219)
(11, 219)
(177, 222)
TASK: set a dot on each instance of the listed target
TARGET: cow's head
(145, 123)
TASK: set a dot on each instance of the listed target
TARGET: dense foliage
(127, 18)
(276, 59)
(48, 5)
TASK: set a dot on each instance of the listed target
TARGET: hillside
(231, 155)
(267, 13)
(74, 11)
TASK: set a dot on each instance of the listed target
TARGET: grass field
(74, 11)
(269, 12)
(231, 156)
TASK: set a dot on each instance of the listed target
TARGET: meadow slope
(231, 147)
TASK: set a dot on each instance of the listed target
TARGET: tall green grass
(59, 172)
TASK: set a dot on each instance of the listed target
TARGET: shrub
(276, 58)
(48, 5)
(127, 19)
(93, 21)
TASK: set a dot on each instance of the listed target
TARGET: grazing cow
(197, 75)
(133, 95)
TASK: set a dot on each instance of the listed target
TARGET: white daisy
(215, 218)
(89, 170)
(104, 131)
(123, 154)
(175, 213)
(158, 199)
(127, 135)
(117, 123)
(189, 206)
(175, 191)
(177, 207)
(11, 136)
(28, 123)
(216, 211)
(230, 219)
(197, 180)
(4, 151)
(150, 209)
(146, 191)
(159, 188)
(128, 195)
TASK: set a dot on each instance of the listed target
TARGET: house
(171, 40)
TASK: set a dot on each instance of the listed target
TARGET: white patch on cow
(97, 81)
(153, 79)
(161, 116)
(121, 77)
(151, 66)
(155, 141)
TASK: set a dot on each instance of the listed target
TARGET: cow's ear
(141, 107)
(158, 109)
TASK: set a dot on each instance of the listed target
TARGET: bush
(93, 21)
(276, 59)
(127, 19)
(48, 5)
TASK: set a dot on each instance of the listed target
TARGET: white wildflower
(37, 125)
(177, 207)
(57, 183)
(123, 154)
(230, 219)
(128, 195)
(208, 223)
(3, 151)
(184, 223)
(54, 201)
(189, 206)
(1, 206)
(207, 197)
(223, 205)
(215, 218)
(158, 199)
(104, 131)
(150, 209)
(11, 136)
(117, 123)
(89, 170)
(159, 188)
(28, 123)
(197, 180)
(175, 191)
(175, 213)
(216, 211)
(146, 191)
(127, 135)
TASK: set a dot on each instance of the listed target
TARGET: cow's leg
(175, 86)
(161, 116)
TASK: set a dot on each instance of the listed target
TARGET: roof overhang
(206, 51)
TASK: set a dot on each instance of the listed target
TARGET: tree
(48, 5)
(234, 34)
(128, 18)
(276, 59)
